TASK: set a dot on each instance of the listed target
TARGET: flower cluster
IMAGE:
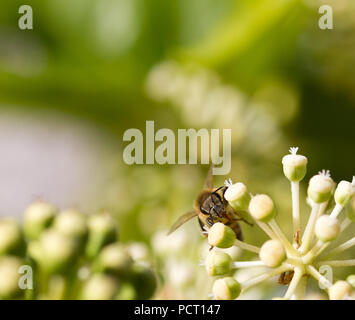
(294, 261)
(68, 255)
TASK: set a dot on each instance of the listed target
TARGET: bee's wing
(209, 179)
(184, 218)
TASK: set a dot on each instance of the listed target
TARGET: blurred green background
(91, 69)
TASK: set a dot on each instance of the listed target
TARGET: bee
(211, 207)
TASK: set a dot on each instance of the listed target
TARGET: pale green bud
(238, 196)
(320, 188)
(221, 236)
(343, 192)
(102, 231)
(37, 217)
(11, 239)
(9, 277)
(340, 290)
(327, 228)
(71, 223)
(351, 280)
(218, 263)
(261, 207)
(55, 252)
(272, 253)
(100, 287)
(294, 165)
(115, 258)
(226, 289)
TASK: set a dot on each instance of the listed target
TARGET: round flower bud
(343, 193)
(115, 258)
(327, 228)
(55, 252)
(100, 287)
(320, 188)
(272, 253)
(71, 223)
(37, 217)
(218, 263)
(221, 236)
(102, 230)
(226, 289)
(351, 279)
(9, 277)
(340, 290)
(294, 166)
(11, 240)
(238, 196)
(261, 207)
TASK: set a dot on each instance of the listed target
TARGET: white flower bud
(218, 263)
(9, 277)
(71, 223)
(272, 253)
(351, 280)
(294, 165)
(226, 289)
(221, 236)
(343, 192)
(138, 251)
(115, 258)
(11, 240)
(262, 208)
(37, 217)
(238, 196)
(321, 187)
(55, 251)
(327, 228)
(100, 287)
(340, 290)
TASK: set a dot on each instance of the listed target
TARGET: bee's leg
(244, 220)
(210, 221)
(203, 228)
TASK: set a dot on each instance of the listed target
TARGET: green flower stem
(246, 246)
(322, 208)
(281, 236)
(295, 192)
(316, 275)
(248, 264)
(263, 226)
(309, 232)
(344, 246)
(294, 282)
(338, 263)
(300, 291)
(337, 209)
(346, 222)
(264, 276)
